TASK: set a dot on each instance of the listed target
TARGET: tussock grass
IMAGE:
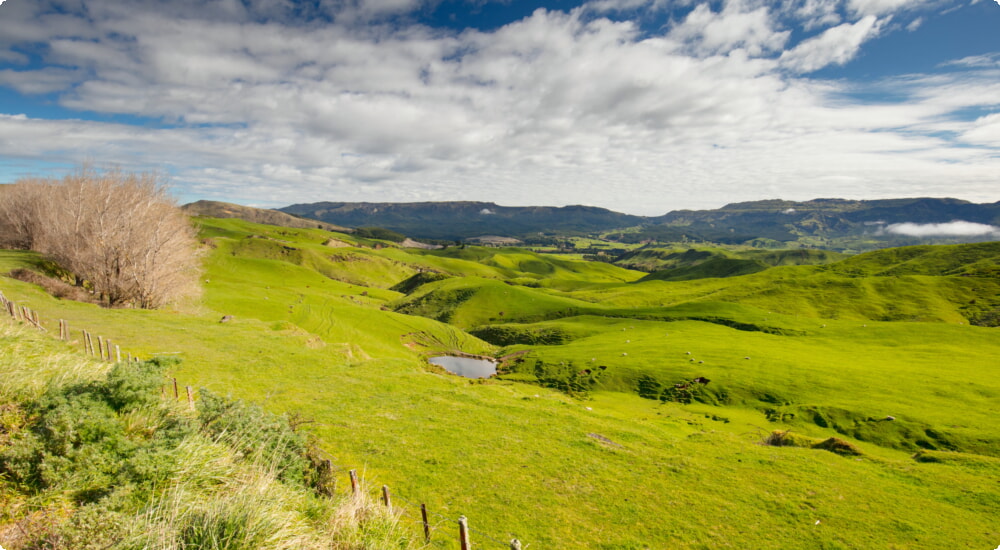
(29, 365)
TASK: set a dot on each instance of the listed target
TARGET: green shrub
(255, 433)
(132, 385)
(90, 440)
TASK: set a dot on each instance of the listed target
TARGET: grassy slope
(896, 285)
(669, 259)
(518, 459)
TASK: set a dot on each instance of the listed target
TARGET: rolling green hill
(601, 418)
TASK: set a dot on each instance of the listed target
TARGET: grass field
(620, 464)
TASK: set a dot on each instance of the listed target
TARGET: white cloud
(736, 26)
(984, 130)
(836, 45)
(950, 229)
(41, 81)
(882, 7)
(987, 60)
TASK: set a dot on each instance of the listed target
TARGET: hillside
(674, 264)
(846, 404)
(216, 209)
(99, 456)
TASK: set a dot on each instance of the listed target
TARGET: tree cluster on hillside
(118, 234)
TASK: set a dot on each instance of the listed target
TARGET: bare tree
(22, 206)
(118, 232)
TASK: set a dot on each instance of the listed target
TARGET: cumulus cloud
(736, 26)
(950, 229)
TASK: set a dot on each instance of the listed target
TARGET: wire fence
(419, 514)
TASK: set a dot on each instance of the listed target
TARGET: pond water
(464, 366)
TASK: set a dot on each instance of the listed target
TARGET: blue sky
(642, 106)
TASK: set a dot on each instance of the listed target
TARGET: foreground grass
(95, 458)
(610, 469)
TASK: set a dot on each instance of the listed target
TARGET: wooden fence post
(175, 389)
(108, 344)
(190, 393)
(100, 347)
(355, 488)
(118, 354)
(427, 525)
(463, 532)
(385, 496)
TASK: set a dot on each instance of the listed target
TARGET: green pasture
(614, 466)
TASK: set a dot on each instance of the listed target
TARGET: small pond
(464, 366)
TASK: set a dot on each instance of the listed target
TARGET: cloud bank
(950, 229)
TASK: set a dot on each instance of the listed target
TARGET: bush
(133, 385)
(255, 433)
(91, 440)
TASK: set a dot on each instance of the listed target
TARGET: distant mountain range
(837, 224)
(466, 219)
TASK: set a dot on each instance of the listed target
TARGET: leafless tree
(118, 232)
(22, 206)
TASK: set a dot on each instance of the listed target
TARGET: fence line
(103, 350)
(463, 530)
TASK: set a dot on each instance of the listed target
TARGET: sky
(640, 106)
